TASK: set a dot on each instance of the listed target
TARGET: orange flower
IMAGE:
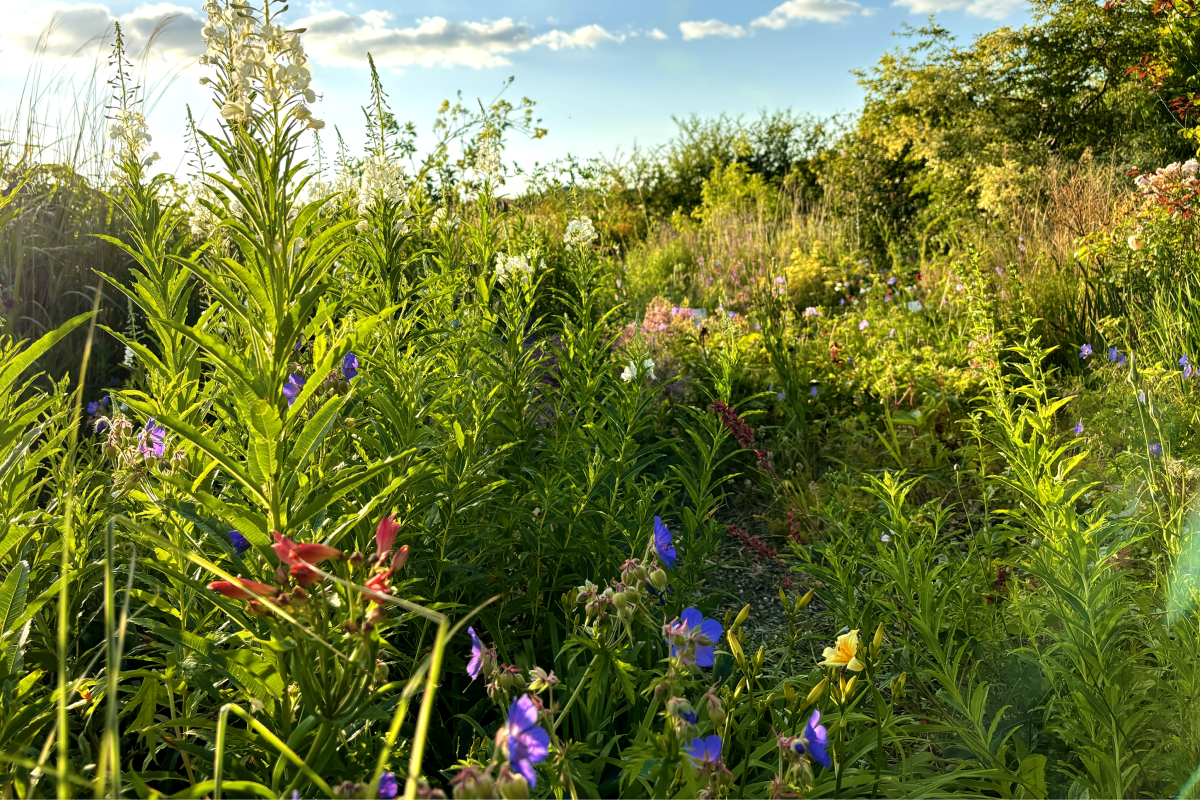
(293, 554)
(844, 653)
(378, 585)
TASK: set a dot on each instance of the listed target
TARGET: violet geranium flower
(350, 366)
(293, 387)
(239, 542)
(813, 739)
(151, 442)
(664, 542)
(692, 637)
(527, 742)
(388, 787)
(476, 662)
(705, 752)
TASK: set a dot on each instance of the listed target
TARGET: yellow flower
(844, 653)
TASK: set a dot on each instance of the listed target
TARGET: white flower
(812, 311)
(633, 370)
(361, 226)
(1135, 242)
(914, 306)
(579, 233)
(510, 266)
(129, 356)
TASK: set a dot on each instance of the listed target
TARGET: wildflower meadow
(796, 457)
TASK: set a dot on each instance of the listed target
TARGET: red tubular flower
(385, 534)
(293, 554)
(243, 589)
(379, 585)
(304, 574)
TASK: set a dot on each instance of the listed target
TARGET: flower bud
(661, 691)
(512, 786)
(659, 579)
(473, 784)
(257, 609)
(378, 614)
(357, 559)
(815, 694)
(299, 594)
(618, 600)
(716, 709)
(381, 672)
(899, 682)
(848, 689)
(281, 575)
(877, 642)
(742, 616)
(400, 558)
(805, 600)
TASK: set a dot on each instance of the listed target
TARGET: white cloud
(991, 9)
(711, 27)
(335, 37)
(68, 31)
(796, 11)
(655, 33)
(587, 36)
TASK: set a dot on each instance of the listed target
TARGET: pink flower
(385, 534)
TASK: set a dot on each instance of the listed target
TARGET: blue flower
(780, 396)
(1078, 428)
(813, 739)
(528, 742)
(1183, 360)
(350, 366)
(98, 407)
(388, 787)
(1142, 396)
(1085, 351)
(293, 387)
(814, 391)
(1156, 449)
(240, 543)
(1113, 354)
(706, 751)
(693, 636)
(663, 542)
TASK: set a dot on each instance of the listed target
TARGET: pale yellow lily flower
(844, 653)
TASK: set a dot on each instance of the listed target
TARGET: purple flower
(293, 387)
(780, 396)
(1078, 428)
(476, 661)
(706, 751)
(151, 440)
(388, 787)
(1085, 351)
(1142, 396)
(240, 544)
(663, 542)
(693, 636)
(528, 743)
(862, 326)
(812, 740)
(1187, 370)
(350, 366)
(1183, 360)
(1156, 449)
(892, 281)
(814, 391)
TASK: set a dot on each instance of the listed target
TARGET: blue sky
(604, 74)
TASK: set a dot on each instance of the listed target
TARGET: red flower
(379, 585)
(304, 574)
(293, 554)
(242, 589)
(385, 535)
